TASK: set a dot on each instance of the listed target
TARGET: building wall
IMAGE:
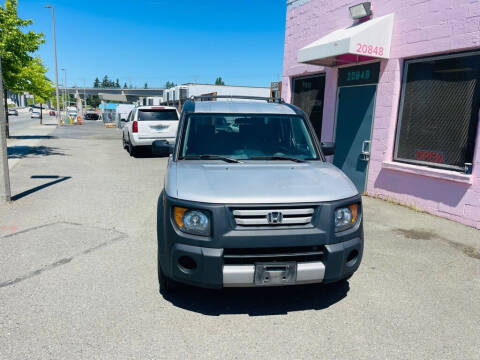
(154, 100)
(197, 90)
(421, 27)
(201, 89)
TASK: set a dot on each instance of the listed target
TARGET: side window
(131, 116)
(439, 106)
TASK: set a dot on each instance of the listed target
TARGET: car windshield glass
(248, 137)
(157, 115)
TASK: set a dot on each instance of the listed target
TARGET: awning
(366, 41)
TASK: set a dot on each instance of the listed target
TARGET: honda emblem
(275, 217)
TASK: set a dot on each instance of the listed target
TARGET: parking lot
(78, 274)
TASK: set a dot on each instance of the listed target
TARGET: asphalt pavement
(21, 122)
(78, 275)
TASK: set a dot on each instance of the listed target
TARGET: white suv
(146, 124)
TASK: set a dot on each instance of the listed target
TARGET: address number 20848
(370, 49)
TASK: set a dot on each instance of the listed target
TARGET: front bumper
(138, 141)
(245, 275)
(229, 258)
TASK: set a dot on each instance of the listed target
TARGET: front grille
(273, 217)
(278, 254)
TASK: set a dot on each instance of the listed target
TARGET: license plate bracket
(275, 273)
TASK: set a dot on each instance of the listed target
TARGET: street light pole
(5, 193)
(55, 58)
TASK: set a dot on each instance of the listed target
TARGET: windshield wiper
(276, 157)
(211, 157)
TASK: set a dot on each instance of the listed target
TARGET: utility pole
(5, 194)
(55, 57)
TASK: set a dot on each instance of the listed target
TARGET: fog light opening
(187, 263)
(352, 257)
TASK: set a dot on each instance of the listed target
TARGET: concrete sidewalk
(25, 143)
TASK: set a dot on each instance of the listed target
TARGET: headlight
(194, 222)
(346, 217)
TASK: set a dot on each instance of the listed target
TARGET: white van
(146, 124)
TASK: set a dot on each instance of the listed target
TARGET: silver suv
(249, 200)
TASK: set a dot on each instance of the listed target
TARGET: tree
(93, 101)
(96, 83)
(125, 86)
(145, 86)
(219, 81)
(37, 82)
(117, 83)
(105, 82)
(169, 85)
(16, 49)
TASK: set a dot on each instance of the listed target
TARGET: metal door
(353, 132)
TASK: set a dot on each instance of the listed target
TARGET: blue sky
(154, 41)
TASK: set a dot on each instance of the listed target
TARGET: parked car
(91, 116)
(145, 124)
(12, 111)
(255, 204)
(35, 114)
(72, 114)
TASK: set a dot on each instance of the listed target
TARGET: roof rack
(211, 97)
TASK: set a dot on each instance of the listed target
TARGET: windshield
(157, 115)
(247, 136)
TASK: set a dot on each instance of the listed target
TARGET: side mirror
(328, 148)
(162, 148)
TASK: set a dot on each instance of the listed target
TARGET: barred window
(439, 109)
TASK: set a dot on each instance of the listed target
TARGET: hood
(257, 183)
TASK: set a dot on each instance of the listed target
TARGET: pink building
(398, 90)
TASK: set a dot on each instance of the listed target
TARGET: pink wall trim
(421, 28)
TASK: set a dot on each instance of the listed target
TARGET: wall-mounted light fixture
(360, 11)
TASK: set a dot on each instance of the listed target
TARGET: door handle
(366, 150)
(366, 147)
